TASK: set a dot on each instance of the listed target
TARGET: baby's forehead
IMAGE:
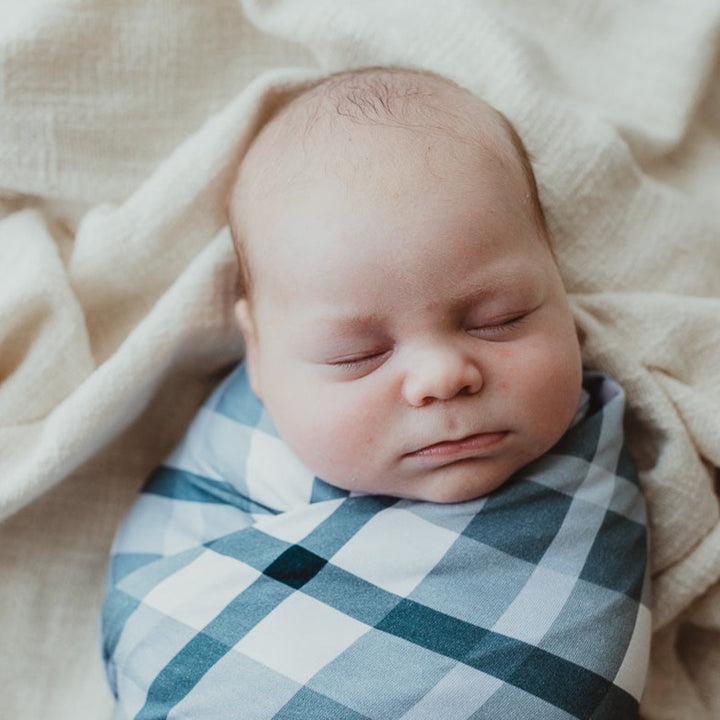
(356, 125)
(351, 144)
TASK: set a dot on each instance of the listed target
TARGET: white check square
(300, 637)
(197, 593)
(395, 550)
(535, 608)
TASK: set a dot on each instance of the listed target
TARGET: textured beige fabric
(120, 124)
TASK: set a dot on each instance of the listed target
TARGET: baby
(409, 501)
(405, 323)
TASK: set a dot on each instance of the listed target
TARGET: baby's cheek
(329, 435)
(355, 432)
(549, 375)
(515, 366)
(561, 397)
(352, 435)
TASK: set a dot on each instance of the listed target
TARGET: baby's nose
(440, 373)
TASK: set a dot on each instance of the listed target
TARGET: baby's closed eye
(359, 363)
(498, 329)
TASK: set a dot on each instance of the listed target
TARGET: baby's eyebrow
(517, 282)
(329, 330)
(478, 294)
(338, 323)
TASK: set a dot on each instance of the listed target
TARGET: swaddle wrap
(241, 586)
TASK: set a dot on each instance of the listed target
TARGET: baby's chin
(458, 483)
(449, 493)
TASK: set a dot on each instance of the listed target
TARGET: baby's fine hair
(383, 96)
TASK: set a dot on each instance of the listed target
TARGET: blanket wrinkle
(681, 512)
(42, 331)
(690, 579)
(137, 112)
(691, 406)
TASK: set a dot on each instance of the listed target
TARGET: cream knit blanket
(120, 125)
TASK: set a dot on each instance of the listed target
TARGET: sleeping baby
(409, 501)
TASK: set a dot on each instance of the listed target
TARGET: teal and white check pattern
(241, 586)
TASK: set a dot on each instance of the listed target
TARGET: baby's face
(409, 332)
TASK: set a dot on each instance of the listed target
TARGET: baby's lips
(470, 445)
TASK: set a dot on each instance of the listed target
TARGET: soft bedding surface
(120, 124)
(243, 586)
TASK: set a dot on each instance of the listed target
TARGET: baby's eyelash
(511, 323)
(356, 364)
(501, 327)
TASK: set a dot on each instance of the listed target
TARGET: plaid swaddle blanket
(240, 586)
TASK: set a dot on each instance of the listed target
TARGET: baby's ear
(246, 323)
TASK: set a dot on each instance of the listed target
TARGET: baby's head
(405, 323)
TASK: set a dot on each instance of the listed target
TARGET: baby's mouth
(469, 446)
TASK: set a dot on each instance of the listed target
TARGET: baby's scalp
(303, 126)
